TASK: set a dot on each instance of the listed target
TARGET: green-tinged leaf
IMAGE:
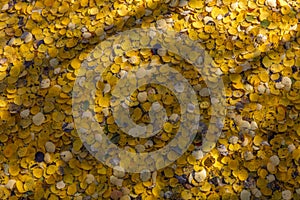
(265, 23)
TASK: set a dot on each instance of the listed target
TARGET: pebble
(5, 7)
(118, 172)
(179, 87)
(106, 112)
(71, 26)
(248, 88)
(53, 62)
(145, 175)
(134, 132)
(161, 24)
(47, 158)
(214, 100)
(156, 106)
(140, 148)
(287, 82)
(204, 92)
(141, 72)
(25, 113)
(255, 148)
(245, 125)
(89, 178)
(148, 144)
(60, 185)
(190, 179)
(270, 178)
(162, 52)
(294, 27)
(222, 150)
(182, 3)
(174, 118)
(258, 106)
(123, 74)
(191, 108)
(66, 156)
(11, 41)
(261, 38)
(200, 176)
(245, 142)
(45, 83)
(67, 127)
(154, 177)
(151, 91)
(233, 140)
(240, 105)
(142, 96)
(198, 154)
(86, 35)
(168, 194)
(246, 66)
(256, 192)
(234, 5)
(261, 89)
(291, 147)
(245, 195)
(148, 12)
(253, 125)
(230, 113)
(116, 194)
(125, 190)
(125, 197)
(98, 137)
(5, 169)
(219, 71)
(271, 3)
(50, 147)
(10, 184)
(293, 115)
(38, 119)
(107, 88)
(116, 181)
(286, 194)
(252, 133)
(279, 85)
(275, 160)
(133, 60)
(56, 70)
(248, 155)
(208, 9)
(238, 119)
(27, 37)
(197, 87)
(87, 114)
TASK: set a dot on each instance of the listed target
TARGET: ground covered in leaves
(256, 49)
